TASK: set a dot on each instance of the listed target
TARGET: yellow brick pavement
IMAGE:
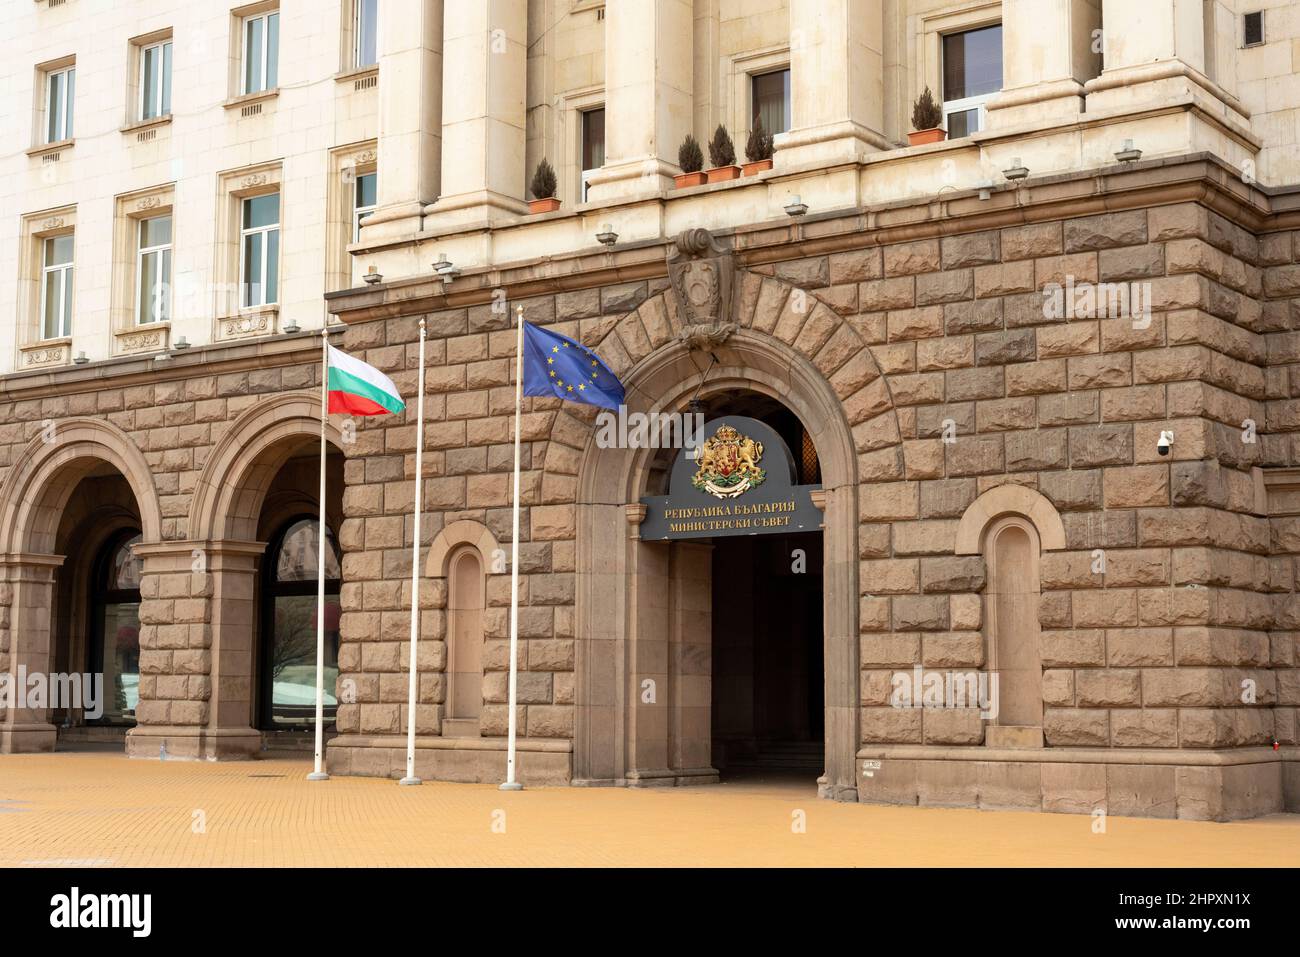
(101, 809)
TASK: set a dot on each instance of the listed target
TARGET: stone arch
(229, 493)
(788, 344)
(461, 532)
(1009, 500)
(39, 485)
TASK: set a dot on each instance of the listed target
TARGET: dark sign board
(741, 481)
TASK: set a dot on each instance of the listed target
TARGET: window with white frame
(259, 249)
(60, 89)
(261, 52)
(56, 287)
(593, 144)
(770, 100)
(156, 80)
(972, 74)
(364, 196)
(365, 33)
(154, 270)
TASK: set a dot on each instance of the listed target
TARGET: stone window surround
(232, 320)
(236, 58)
(926, 66)
(134, 111)
(129, 210)
(34, 351)
(744, 67)
(348, 67)
(346, 164)
(569, 111)
(39, 107)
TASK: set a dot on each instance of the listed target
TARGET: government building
(990, 312)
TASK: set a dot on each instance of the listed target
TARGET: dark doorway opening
(768, 678)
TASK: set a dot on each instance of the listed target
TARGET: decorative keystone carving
(702, 272)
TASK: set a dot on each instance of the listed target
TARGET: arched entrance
(788, 348)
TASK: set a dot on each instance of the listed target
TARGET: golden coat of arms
(728, 464)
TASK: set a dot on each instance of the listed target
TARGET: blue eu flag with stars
(555, 365)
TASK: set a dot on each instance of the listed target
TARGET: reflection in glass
(116, 651)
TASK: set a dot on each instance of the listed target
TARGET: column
(690, 654)
(410, 116)
(837, 83)
(26, 600)
(484, 60)
(649, 95)
(1047, 56)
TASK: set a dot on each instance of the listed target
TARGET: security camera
(1166, 440)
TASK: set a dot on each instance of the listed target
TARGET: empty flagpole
(319, 774)
(511, 784)
(415, 574)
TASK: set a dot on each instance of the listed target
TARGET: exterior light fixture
(180, 343)
(986, 190)
(1127, 154)
(1016, 171)
(606, 236)
(372, 276)
(81, 359)
(445, 268)
(290, 326)
(796, 207)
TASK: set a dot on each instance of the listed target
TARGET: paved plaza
(103, 809)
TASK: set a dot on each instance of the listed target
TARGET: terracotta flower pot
(683, 180)
(922, 137)
(756, 167)
(548, 205)
(720, 174)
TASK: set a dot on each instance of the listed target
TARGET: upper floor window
(972, 73)
(154, 270)
(259, 249)
(261, 52)
(365, 32)
(363, 200)
(770, 99)
(156, 80)
(60, 87)
(56, 287)
(593, 144)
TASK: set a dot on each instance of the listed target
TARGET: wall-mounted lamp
(81, 359)
(796, 207)
(1016, 171)
(180, 344)
(372, 276)
(290, 326)
(445, 269)
(986, 190)
(606, 236)
(1127, 153)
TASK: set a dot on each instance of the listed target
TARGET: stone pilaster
(648, 95)
(484, 66)
(1047, 56)
(410, 116)
(837, 83)
(26, 598)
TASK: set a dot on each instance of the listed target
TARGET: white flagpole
(319, 774)
(511, 784)
(415, 574)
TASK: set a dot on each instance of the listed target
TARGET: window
(365, 34)
(156, 80)
(261, 52)
(56, 288)
(154, 271)
(593, 144)
(972, 73)
(115, 645)
(259, 252)
(770, 99)
(1253, 29)
(288, 684)
(363, 201)
(60, 88)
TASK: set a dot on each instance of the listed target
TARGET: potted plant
(543, 188)
(691, 159)
(758, 149)
(722, 154)
(927, 119)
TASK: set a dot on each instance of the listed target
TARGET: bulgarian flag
(356, 388)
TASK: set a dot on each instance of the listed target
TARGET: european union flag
(556, 365)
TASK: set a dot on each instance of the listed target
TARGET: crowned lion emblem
(728, 464)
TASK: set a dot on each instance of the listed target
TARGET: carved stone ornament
(702, 272)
